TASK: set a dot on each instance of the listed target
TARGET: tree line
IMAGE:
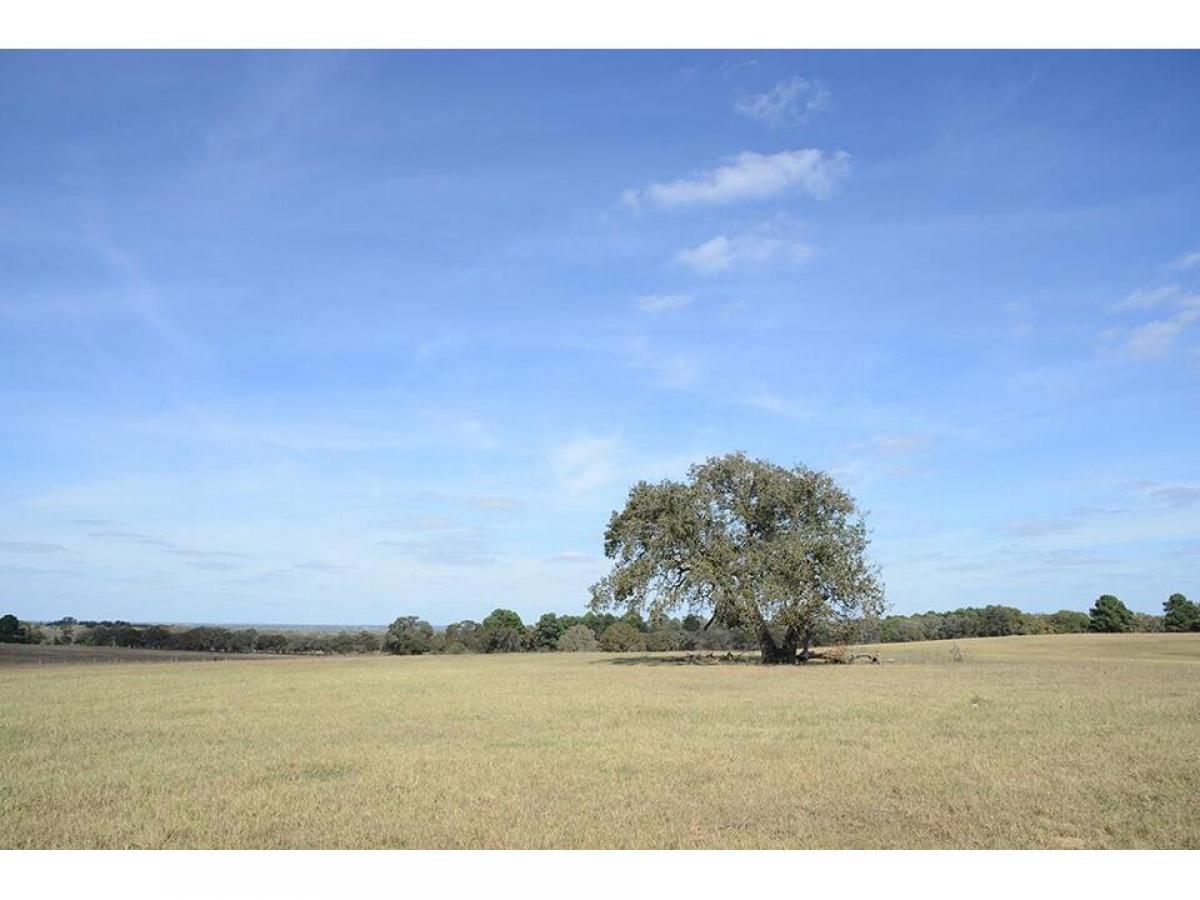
(206, 638)
(503, 631)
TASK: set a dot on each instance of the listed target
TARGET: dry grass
(1070, 741)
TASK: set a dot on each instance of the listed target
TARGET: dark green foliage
(1001, 621)
(1110, 615)
(1180, 614)
(1068, 621)
(12, 631)
(622, 636)
(546, 633)
(408, 636)
(503, 632)
(468, 634)
(272, 643)
(598, 622)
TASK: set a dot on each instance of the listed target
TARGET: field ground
(1062, 741)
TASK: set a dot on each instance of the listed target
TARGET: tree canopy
(1180, 614)
(757, 545)
(1110, 615)
(408, 636)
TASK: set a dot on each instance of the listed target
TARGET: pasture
(1073, 741)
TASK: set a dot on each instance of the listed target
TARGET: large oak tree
(757, 545)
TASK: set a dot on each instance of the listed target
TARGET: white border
(597, 875)
(640, 24)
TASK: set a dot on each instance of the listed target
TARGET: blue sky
(334, 338)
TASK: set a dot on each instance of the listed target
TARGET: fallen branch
(840, 658)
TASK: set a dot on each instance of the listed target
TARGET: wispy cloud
(317, 565)
(213, 565)
(1039, 527)
(571, 556)
(897, 444)
(669, 369)
(495, 504)
(147, 540)
(584, 464)
(1175, 309)
(749, 176)
(1155, 297)
(752, 249)
(1156, 339)
(1174, 496)
(661, 303)
(1187, 261)
(788, 103)
(31, 547)
(462, 547)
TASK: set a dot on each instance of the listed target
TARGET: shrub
(622, 636)
(577, 638)
(1068, 621)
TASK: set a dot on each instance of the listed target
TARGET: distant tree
(1144, 622)
(598, 621)
(622, 636)
(668, 636)
(272, 643)
(11, 630)
(634, 618)
(546, 632)
(1035, 623)
(779, 551)
(1110, 615)
(367, 642)
(1000, 621)
(1069, 621)
(577, 638)
(503, 632)
(1180, 614)
(408, 636)
(467, 634)
(901, 629)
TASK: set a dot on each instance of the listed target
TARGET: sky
(334, 338)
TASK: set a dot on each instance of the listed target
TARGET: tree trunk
(806, 650)
(782, 653)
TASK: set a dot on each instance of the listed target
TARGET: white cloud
(1187, 261)
(659, 303)
(789, 102)
(1151, 298)
(571, 556)
(1177, 309)
(495, 504)
(749, 176)
(897, 443)
(583, 464)
(747, 250)
(771, 402)
(32, 547)
(1154, 340)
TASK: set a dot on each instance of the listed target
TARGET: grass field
(1060, 742)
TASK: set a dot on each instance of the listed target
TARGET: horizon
(395, 333)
